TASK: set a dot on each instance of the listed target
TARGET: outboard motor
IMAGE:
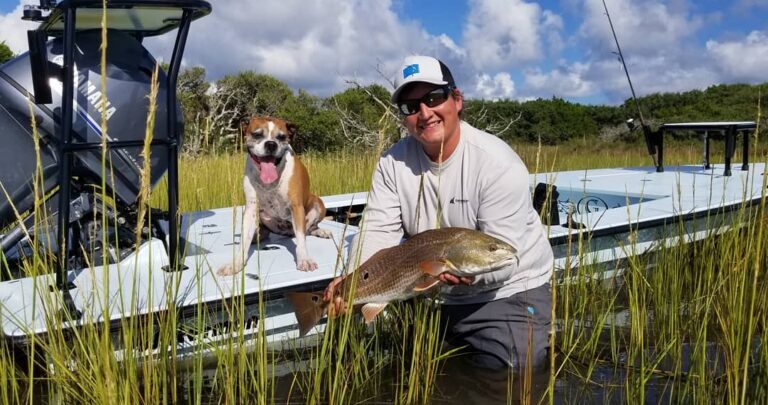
(36, 78)
(129, 73)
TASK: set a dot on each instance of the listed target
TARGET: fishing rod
(649, 135)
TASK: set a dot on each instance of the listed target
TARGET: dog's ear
(293, 130)
(244, 123)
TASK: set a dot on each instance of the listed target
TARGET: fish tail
(309, 309)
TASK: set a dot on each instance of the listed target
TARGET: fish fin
(426, 284)
(309, 308)
(433, 267)
(372, 309)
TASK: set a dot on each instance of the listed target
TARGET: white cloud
(311, 45)
(657, 74)
(747, 5)
(565, 81)
(643, 27)
(551, 27)
(741, 60)
(448, 43)
(14, 31)
(500, 86)
(500, 34)
(317, 46)
(659, 43)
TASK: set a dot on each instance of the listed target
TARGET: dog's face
(267, 137)
(266, 141)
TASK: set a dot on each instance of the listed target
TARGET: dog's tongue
(267, 170)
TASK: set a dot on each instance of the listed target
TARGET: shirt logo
(410, 70)
(454, 200)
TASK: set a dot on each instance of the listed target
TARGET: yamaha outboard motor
(59, 83)
(129, 74)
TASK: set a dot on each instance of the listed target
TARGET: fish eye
(493, 247)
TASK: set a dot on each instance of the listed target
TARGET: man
(447, 173)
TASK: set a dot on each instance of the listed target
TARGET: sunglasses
(432, 99)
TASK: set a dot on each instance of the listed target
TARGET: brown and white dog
(276, 186)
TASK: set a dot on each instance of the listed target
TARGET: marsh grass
(684, 331)
(695, 297)
(673, 317)
(217, 181)
(683, 324)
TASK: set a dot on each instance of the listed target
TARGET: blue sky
(6, 6)
(497, 49)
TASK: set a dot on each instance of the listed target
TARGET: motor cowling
(124, 101)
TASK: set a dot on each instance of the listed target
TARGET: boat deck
(139, 284)
(612, 207)
(603, 199)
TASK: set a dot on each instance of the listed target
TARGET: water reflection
(602, 379)
(462, 382)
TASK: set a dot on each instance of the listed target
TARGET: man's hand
(336, 305)
(450, 279)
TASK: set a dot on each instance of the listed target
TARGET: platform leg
(730, 145)
(745, 150)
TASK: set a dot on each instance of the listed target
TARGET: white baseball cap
(421, 69)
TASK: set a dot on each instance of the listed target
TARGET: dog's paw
(228, 269)
(321, 233)
(307, 265)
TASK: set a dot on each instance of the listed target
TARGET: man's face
(432, 126)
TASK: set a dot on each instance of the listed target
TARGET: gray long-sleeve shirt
(483, 185)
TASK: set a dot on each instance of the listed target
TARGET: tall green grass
(692, 317)
(217, 181)
(683, 324)
(686, 328)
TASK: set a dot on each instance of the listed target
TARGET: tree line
(361, 116)
(555, 121)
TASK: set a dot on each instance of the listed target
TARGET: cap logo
(410, 70)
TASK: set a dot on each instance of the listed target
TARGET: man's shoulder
(491, 148)
(401, 149)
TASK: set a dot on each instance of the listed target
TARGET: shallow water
(460, 382)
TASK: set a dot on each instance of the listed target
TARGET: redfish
(407, 270)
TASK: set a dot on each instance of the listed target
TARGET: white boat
(615, 212)
(607, 213)
(611, 214)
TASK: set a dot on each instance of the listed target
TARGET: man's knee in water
(489, 361)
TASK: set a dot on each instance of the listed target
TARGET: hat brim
(405, 84)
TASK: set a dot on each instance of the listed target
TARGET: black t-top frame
(141, 18)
